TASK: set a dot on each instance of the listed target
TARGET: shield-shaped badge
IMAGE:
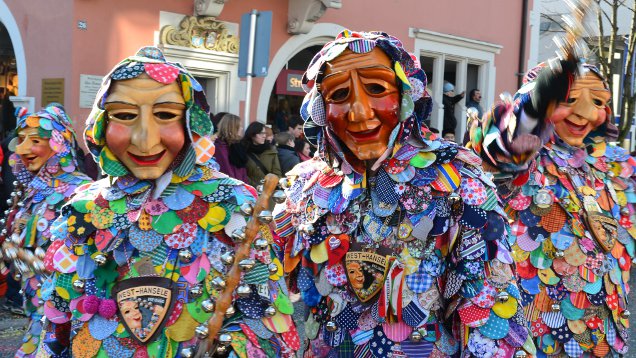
(604, 229)
(366, 272)
(143, 304)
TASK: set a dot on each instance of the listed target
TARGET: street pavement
(12, 329)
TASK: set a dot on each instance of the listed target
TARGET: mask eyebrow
(373, 67)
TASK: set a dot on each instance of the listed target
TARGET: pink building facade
(473, 44)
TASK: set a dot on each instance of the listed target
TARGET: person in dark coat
(229, 153)
(287, 155)
(449, 101)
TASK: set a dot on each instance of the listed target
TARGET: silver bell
(221, 350)
(270, 311)
(246, 264)
(227, 258)
(38, 266)
(331, 326)
(15, 183)
(284, 183)
(230, 312)
(625, 210)
(279, 196)
(202, 331)
(208, 305)
(238, 235)
(100, 259)
(187, 352)
(243, 290)
(196, 291)
(20, 204)
(9, 202)
(218, 283)
(259, 188)
(185, 255)
(555, 307)
(265, 217)
(247, 209)
(273, 268)
(559, 254)
(521, 354)
(625, 314)
(17, 276)
(225, 339)
(454, 198)
(503, 296)
(307, 229)
(261, 244)
(78, 286)
(2, 222)
(39, 253)
(415, 336)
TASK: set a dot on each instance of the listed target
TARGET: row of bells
(243, 290)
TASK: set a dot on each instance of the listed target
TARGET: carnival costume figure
(396, 239)
(45, 165)
(570, 195)
(140, 257)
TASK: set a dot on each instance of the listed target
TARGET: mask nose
(24, 147)
(146, 133)
(585, 107)
(360, 109)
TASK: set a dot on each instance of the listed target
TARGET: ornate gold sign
(202, 33)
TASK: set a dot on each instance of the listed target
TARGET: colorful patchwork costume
(39, 199)
(413, 261)
(149, 255)
(572, 212)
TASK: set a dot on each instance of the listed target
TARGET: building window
(466, 63)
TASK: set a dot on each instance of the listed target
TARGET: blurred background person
(229, 152)
(474, 101)
(303, 149)
(449, 101)
(281, 116)
(295, 127)
(287, 155)
(262, 156)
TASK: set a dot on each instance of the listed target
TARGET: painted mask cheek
(600, 118)
(118, 138)
(560, 113)
(173, 137)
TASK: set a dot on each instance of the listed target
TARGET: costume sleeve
(510, 134)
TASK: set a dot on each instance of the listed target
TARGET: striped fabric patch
(448, 178)
(361, 46)
(283, 223)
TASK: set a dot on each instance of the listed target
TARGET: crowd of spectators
(248, 154)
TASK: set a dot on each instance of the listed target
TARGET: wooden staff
(233, 278)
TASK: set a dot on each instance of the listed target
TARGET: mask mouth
(575, 128)
(365, 135)
(147, 159)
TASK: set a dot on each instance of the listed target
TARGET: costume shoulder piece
(414, 263)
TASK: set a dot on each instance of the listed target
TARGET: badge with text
(604, 229)
(366, 272)
(143, 304)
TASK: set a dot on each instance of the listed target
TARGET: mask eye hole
(165, 115)
(340, 94)
(124, 116)
(375, 88)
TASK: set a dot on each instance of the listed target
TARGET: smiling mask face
(361, 101)
(583, 111)
(145, 125)
(33, 150)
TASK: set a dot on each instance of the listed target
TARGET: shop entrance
(8, 83)
(287, 95)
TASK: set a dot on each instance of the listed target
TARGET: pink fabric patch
(160, 72)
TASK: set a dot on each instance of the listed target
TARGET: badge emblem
(143, 304)
(603, 228)
(366, 272)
